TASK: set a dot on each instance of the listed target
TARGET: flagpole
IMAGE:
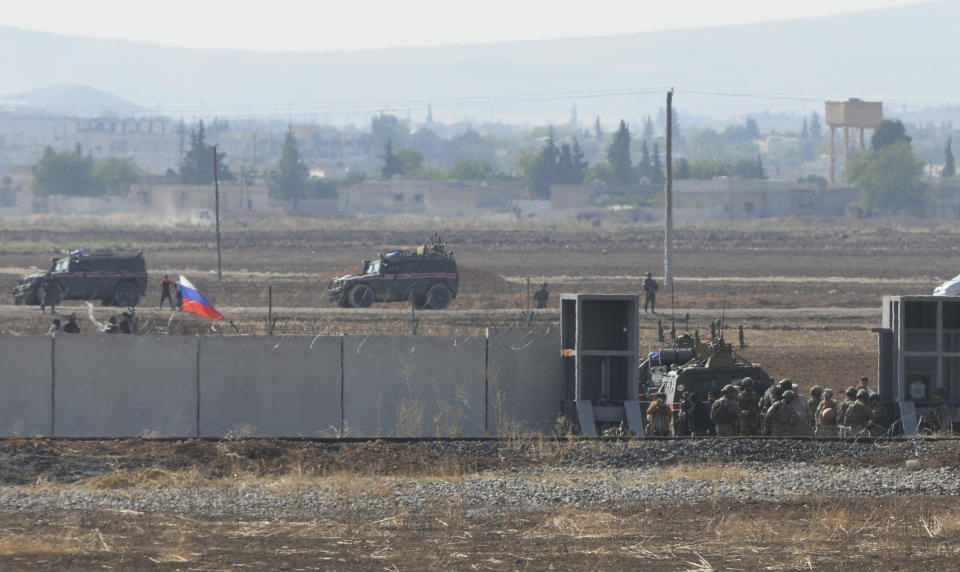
(216, 195)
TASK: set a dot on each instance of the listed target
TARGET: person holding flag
(194, 301)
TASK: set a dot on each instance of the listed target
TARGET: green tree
(888, 133)
(657, 176)
(618, 155)
(644, 166)
(815, 128)
(384, 128)
(67, 173)
(392, 165)
(804, 133)
(889, 177)
(469, 170)
(648, 128)
(543, 172)
(412, 160)
(597, 130)
(681, 169)
(293, 175)
(197, 165)
(949, 169)
(115, 175)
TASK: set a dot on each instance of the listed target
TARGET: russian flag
(194, 301)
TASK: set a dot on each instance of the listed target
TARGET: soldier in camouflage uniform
(773, 395)
(749, 409)
(781, 418)
(857, 416)
(842, 407)
(725, 412)
(879, 426)
(942, 416)
(816, 396)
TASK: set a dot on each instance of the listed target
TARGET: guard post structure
(918, 351)
(599, 348)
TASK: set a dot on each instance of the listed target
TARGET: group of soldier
(782, 411)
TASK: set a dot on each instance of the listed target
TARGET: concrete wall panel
(525, 377)
(279, 386)
(414, 385)
(26, 381)
(125, 386)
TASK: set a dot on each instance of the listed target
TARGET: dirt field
(808, 293)
(839, 273)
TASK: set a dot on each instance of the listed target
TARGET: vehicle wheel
(126, 295)
(18, 300)
(438, 297)
(50, 293)
(360, 296)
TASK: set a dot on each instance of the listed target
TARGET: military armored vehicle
(697, 367)
(114, 279)
(427, 275)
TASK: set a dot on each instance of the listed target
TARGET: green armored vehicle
(114, 279)
(428, 276)
(697, 367)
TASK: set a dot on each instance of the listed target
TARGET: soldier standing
(650, 288)
(942, 415)
(780, 419)
(725, 412)
(541, 296)
(842, 408)
(879, 425)
(699, 416)
(749, 409)
(816, 395)
(857, 416)
(773, 395)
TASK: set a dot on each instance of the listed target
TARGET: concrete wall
(411, 386)
(118, 386)
(263, 386)
(525, 380)
(280, 386)
(26, 386)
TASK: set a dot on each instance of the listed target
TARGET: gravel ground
(552, 475)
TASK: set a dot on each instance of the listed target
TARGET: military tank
(695, 366)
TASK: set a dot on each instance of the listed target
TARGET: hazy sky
(323, 25)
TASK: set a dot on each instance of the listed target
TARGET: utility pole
(668, 202)
(216, 203)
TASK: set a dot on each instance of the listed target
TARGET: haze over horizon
(721, 71)
(377, 24)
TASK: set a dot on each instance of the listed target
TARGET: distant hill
(902, 55)
(69, 98)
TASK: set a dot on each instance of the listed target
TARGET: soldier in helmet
(942, 416)
(650, 288)
(781, 418)
(725, 412)
(749, 409)
(879, 426)
(773, 394)
(851, 394)
(857, 416)
(541, 296)
(816, 395)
